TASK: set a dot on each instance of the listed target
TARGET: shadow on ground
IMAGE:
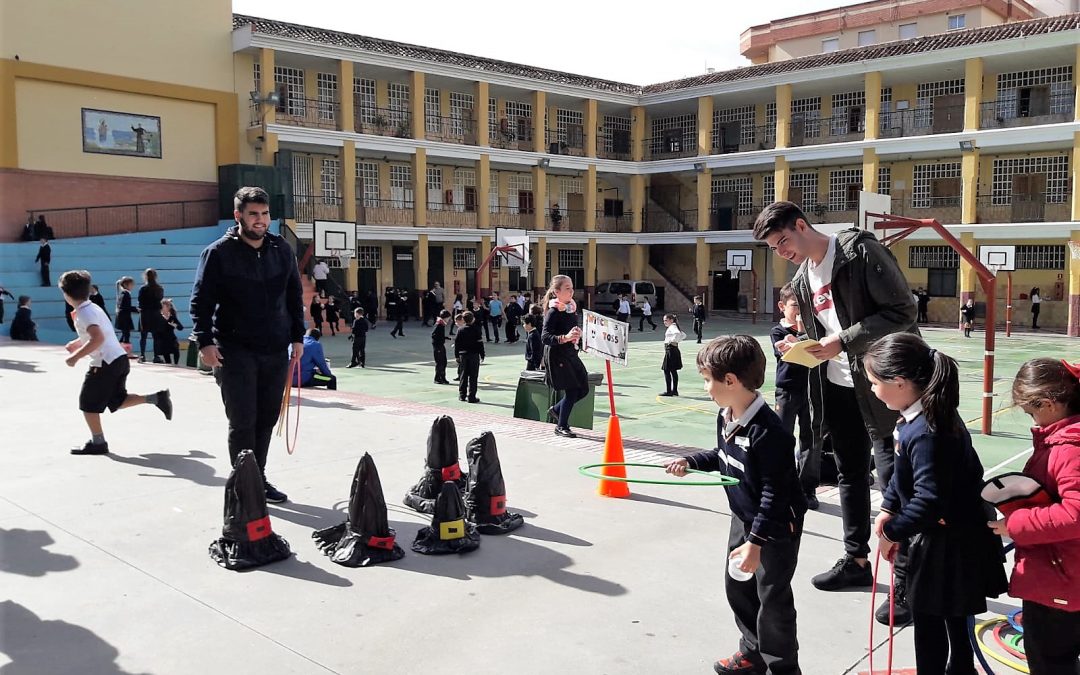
(23, 552)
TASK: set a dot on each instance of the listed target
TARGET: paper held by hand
(799, 354)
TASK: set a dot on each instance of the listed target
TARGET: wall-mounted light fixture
(699, 167)
(967, 146)
(543, 163)
(273, 98)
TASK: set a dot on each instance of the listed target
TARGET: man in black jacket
(247, 308)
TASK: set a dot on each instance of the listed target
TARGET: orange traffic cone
(613, 454)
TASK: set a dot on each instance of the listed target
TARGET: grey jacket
(872, 300)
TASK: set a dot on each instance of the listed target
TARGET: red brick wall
(21, 191)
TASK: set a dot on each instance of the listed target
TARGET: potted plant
(380, 121)
(402, 130)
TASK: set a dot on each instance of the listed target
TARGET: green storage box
(534, 397)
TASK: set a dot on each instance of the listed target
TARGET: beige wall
(176, 42)
(244, 77)
(50, 122)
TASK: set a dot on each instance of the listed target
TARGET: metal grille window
(809, 111)
(842, 195)
(461, 112)
(1031, 78)
(664, 128)
(464, 258)
(434, 186)
(464, 178)
(568, 186)
(615, 125)
(571, 259)
(401, 189)
(301, 175)
(1055, 169)
(768, 188)
(516, 112)
(922, 190)
(368, 173)
(398, 100)
(807, 182)
(364, 97)
(369, 257)
(1057, 79)
(770, 121)
(940, 257)
(519, 182)
(432, 109)
(290, 81)
(493, 190)
(1040, 257)
(256, 73)
(926, 92)
(841, 121)
(743, 186)
(569, 125)
(326, 88)
(884, 180)
(493, 118)
(328, 179)
(744, 115)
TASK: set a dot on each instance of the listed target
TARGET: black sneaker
(164, 403)
(846, 573)
(666, 393)
(474, 400)
(812, 502)
(565, 432)
(91, 448)
(461, 398)
(901, 611)
(274, 495)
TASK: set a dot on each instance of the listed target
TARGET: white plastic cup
(735, 572)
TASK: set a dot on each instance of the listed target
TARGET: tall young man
(851, 292)
(247, 307)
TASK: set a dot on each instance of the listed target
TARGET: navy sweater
(762, 456)
(534, 350)
(789, 376)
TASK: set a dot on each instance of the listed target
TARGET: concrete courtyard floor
(104, 565)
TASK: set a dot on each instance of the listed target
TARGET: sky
(629, 41)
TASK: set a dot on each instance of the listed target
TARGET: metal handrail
(86, 221)
(383, 122)
(308, 112)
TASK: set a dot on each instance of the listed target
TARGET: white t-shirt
(646, 308)
(820, 278)
(1035, 299)
(673, 336)
(624, 306)
(320, 271)
(88, 314)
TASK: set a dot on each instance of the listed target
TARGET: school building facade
(428, 151)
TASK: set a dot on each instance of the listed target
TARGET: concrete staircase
(671, 264)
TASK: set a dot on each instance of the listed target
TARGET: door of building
(725, 293)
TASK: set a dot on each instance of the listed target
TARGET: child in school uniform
(767, 506)
(166, 344)
(332, 317)
(457, 309)
(438, 346)
(933, 502)
(469, 351)
(316, 311)
(672, 364)
(124, 323)
(105, 385)
(698, 312)
(459, 323)
(967, 315)
(646, 315)
(534, 346)
(1046, 575)
(359, 339)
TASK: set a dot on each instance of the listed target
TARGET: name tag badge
(742, 441)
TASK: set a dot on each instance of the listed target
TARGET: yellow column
(701, 266)
(351, 274)
(539, 176)
(870, 166)
(1076, 176)
(9, 137)
(780, 180)
(480, 112)
(704, 198)
(485, 278)
(539, 106)
(1076, 78)
(591, 124)
(637, 261)
(969, 180)
(346, 120)
(266, 82)
(968, 279)
(483, 186)
(872, 122)
(637, 133)
(590, 198)
(421, 261)
(783, 115)
(348, 180)
(539, 263)
(704, 125)
(1074, 291)
(590, 269)
(270, 145)
(637, 202)
(416, 105)
(778, 276)
(419, 176)
(973, 93)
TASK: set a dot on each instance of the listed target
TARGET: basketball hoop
(994, 269)
(342, 257)
(1074, 246)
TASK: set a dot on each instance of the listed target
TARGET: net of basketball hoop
(342, 256)
(1074, 247)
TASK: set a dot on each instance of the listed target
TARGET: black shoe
(699, 341)
(393, 335)
(812, 502)
(675, 393)
(274, 495)
(737, 663)
(351, 365)
(565, 432)
(473, 400)
(157, 359)
(846, 573)
(667, 393)
(457, 379)
(461, 398)
(164, 403)
(91, 448)
(901, 611)
(142, 359)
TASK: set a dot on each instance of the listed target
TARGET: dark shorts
(105, 387)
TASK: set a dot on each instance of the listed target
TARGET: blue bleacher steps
(107, 259)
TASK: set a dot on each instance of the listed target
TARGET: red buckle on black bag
(381, 542)
(498, 505)
(452, 472)
(259, 529)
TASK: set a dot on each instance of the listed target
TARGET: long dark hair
(1047, 379)
(934, 373)
(151, 276)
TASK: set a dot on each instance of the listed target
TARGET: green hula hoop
(724, 481)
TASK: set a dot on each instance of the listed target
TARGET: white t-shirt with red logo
(821, 298)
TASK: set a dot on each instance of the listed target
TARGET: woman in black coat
(149, 300)
(565, 371)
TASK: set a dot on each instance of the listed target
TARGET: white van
(637, 291)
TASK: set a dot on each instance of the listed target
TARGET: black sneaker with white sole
(274, 495)
(846, 573)
(164, 403)
(901, 612)
(91, 448)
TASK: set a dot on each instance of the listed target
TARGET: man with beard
(247, 307)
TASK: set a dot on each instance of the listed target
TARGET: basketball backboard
(505, 236)
(334, 238)
(740, 260)
(872, 202)
(998, 258)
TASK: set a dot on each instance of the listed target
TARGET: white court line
(1018, 455)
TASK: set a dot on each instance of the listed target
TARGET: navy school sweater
(789, 376)
(761, 455)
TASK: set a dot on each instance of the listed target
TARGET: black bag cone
(440, 466)
(449, 531)
(247, 540)
(485, 501)
(365, 538)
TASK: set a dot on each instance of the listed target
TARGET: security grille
(1055, 168)
(368, 173)
(326, 89)
(566, 120)
(398, 100)
(839, 182)
(884, 180)
(808, 183)
(571, 259)
(743, 186)
(292, 80)
(401, 189)
(432, 120)
(661, 125)
(434, 186)
(369, 257)
(493, 118)
(744, 115)
(364, 97)
(612, 125)
(1040, 257)
(922, 181)
(464, 258)
(328, 179)
(940, 257)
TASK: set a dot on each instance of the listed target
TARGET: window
(742, 186)
(432, 108)
(572, 264)
(326, 84)
(674, 134)
(569, 125)
(461, 113)
(867, 37)
(519, 120)
(1040, 257)
(364, 99)
(493, 118)
(613, 208)
(1054, 172)
(617, 134)
(290, 87)
(729, 119)
(940, 257)
(941, 283)
(909, 30)
(464, 258)
(368, 175)
(369, 257)
(957, 21)
(802, 189)
(398, 100)
(935, 185)
(844, 186)
(830, 45)
(434, 187)
(401, 191)
(331, 167)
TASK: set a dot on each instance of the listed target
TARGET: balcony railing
(451, 215)
(614, 223)
(670, 147)
(570, 141)
(922, 121)
(90, 221)
(513, 134)
(513, 217)
(382, 122)
(384, 211)
(761, 137)
(1017, 112)
(1052, 207)
(836, 129)
(309, 208)
(610, 145)
(305, 112)
(565, 220)
(450, 129)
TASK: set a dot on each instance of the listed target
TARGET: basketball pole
(1008, 306)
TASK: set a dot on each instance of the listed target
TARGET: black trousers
(398, 329)
(359, 349)
(1051, 640)
(922, 315)
(1034, 314)
(622, 317)
(792, 405)
(644, 318)
(496, 324)
(565, 406)
(764, 606)
(470, 372)
(942, 644)
(487, 331)
(145, 328)
(439, 352)
(45, 274)
(671, 379)
(699, 327)
(252, 385)
(511, 330)
(320, 380)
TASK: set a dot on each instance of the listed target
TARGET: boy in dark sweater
(698, 312)
(767, 506)
(359, 339)
(793, 396)
(438, 346)
(469, 351)
(534, 347)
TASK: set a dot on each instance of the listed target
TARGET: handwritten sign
(605, 337)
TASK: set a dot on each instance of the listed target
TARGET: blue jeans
(566, 405)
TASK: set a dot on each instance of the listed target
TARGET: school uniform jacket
(438, 335)
(564, 368)
(534, 350)
(123, 311)
(469, 340)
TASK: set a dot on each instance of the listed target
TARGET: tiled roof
(378, 46)
(929, 43)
